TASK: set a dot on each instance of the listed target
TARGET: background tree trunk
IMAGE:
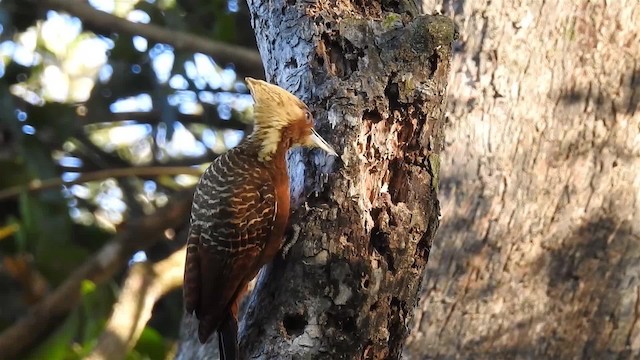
(538, 252)
(376, 82)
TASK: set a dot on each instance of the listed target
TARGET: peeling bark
(375, 78)
(538, 254)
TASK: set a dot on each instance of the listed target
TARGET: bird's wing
(191, 287)
(230, 226)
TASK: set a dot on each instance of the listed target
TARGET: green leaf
(224, 27)
(151, 345)
(87, 287)
(78, 334)
(97, 303)
(57, 345)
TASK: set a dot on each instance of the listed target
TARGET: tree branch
(184, 162)
(38, 185)
(247, 62)
(144, 286)
(139, 235)
(153, 117)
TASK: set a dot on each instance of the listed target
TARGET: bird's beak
(317, 141)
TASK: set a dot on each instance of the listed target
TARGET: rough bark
(375, 79)
(538, 253)
(348, 288)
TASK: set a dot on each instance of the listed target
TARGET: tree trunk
(348, 288)
(538, 253)
(376, 83)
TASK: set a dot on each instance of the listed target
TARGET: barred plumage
(233, 214)
(240, 210)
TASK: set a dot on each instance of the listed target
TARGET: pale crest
(274, 109)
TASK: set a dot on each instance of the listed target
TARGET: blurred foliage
(74, 100)
(77, 334)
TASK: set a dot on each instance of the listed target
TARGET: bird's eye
(308, 117)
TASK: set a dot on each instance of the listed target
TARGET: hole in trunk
(294, 324)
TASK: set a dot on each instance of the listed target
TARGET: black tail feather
(228, 339)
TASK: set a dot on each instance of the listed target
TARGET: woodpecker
(240, 211)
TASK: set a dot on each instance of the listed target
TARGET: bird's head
(281, 119)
